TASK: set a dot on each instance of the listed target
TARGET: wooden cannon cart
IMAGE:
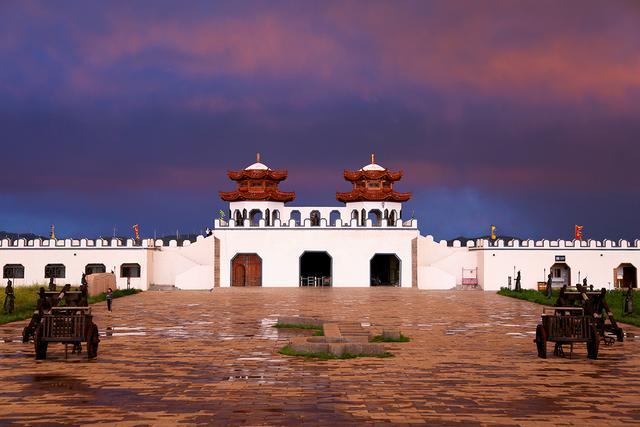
(606, 324)
(566, 325)
(66, 325)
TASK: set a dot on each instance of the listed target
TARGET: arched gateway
(384, 270)
(315, 269)
(246, 270)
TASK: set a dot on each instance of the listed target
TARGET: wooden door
(238, 275)
(246, 270)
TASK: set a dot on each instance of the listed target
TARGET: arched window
(254, 217)
(363, 217)
(57, 271)
(295, 215)
(334, 216)
(95, 268)
(392, 218)
(354, 214)
(267, 217)
(130, 270)
(13, 271)
(276, 215)
(376, 217)
(238, 218)
(314, 216)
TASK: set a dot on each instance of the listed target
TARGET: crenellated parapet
(91, 243)
(557, 244)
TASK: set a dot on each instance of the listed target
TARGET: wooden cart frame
(67, 325)
(566, 325)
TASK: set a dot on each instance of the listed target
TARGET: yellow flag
(493, 232)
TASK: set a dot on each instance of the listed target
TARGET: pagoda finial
(373, 158)
(257, 157)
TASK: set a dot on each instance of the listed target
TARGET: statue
(549, 286)
(44, 305)
(52, 285)
(562, 300)
(84, 291)
(627, 309)
(518, 284)
(9, 298)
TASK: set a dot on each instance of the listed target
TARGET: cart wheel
(541, 342)
(40, 345)
(593, 344)
(92, 342)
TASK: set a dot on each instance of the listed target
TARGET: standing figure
(518, 285)
(84, 291)
(9, 298)
(549, 286)
(628, 302)
(562, 300)
(52, 285)
(109, 298)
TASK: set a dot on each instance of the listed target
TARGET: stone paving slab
(211, 358)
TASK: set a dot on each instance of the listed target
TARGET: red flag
(136, 231)
(579, 232)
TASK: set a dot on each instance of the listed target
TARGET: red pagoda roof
(386, 174)
(257, 183)
(385, 195)
(279, 175)
(273, 195)
(372, 183)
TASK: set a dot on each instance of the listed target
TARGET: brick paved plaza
(211, 357)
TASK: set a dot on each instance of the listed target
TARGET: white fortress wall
(592, 259)
(440, 266)
(187, 267)
(350, 246)
(34, 255)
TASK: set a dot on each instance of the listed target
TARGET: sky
(522, 114)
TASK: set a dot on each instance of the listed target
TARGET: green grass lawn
(27, 299)
(319, 332)
(288, 351)
(381, 338)
(615, 299)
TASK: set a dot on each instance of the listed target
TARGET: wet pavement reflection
(211, 357)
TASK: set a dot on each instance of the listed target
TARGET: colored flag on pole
(136, 231)
(53, 232)
(579, 232)
(221, 213)
(493, 232)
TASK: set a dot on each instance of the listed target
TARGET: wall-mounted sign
(560, 258)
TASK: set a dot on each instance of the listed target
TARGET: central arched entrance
(246, 270)
(560, 275)
(385, 270)
(315, 269)
(625, 276)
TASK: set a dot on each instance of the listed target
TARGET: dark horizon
(524, 115)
